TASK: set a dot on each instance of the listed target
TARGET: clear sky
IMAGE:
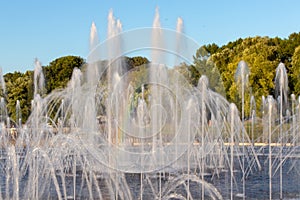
(51, 29)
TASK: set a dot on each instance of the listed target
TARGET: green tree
(295, 71)
(184, 70)
(286, 52)
(19, 87)
(204, 65)
(132, 62)
(211, 48)
(59, 71)
(261, 55)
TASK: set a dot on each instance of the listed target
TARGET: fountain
(113, 135)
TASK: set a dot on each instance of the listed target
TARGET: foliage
(133, 62)
(295, 71)
(19, 87)
(59, 71)
(262, 56)
(218, 63)
(204, 65)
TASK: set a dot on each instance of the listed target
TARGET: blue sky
(51, 29)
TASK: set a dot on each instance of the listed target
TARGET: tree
(295, 71)
(19, 87)
(204, 65)
(261, 55)
(286, 51)
(211, 48)
(132, 62)
(59, 71)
